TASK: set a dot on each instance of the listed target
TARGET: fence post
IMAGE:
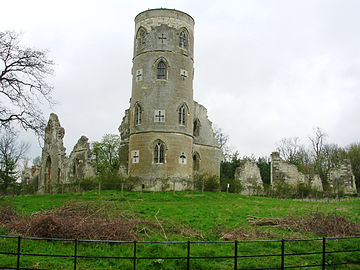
(188, 256)
(323, 253)
(134, 255)
(282, 253)
(236, 255)
(18, 253)
(75, 252)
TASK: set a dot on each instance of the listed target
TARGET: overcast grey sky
(264, 69)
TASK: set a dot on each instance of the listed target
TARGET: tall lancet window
(159, 153)
(138, 114)
(183, 42)
(182, 115)
(161, 70)
(141, 39)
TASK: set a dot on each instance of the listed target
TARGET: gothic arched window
(159, 153)
(141, 39)
(196, 128)
(138, 114)
(182, 115)
(161, 70)
(183, 41)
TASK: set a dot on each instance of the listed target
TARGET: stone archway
(196, 162)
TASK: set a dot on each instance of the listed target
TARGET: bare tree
(325, 155)
(288, 148)
(221, 137)
(222, 140)
(318, 141)
(23, 88)
(10, 155)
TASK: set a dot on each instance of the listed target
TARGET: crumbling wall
(282, 171)
(248, 173)
(30, 176)
(55, 168)
(206, 152)
(53, 156)
(342, 178)
(79, 163)
(124, 130)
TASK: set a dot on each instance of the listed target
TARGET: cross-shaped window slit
(159, 116)
(183, 74)
(162, 39)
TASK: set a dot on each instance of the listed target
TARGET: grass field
(181, 217)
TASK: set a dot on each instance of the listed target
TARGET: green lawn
(205, 217)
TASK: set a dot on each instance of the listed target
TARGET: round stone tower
(162, 106)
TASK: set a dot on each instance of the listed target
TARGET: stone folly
(340, 179)
(248, 173)
(56, 168)
(165, 134)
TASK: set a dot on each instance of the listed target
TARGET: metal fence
(187, 260)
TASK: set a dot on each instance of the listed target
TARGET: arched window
(196, 129)
(138, 114)
(161, 70)
(141, 39)
(196, 162)
(183, 41)
(182, 115)
(159, 153)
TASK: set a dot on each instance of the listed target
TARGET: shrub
(234, 185)
(131, 182)
(205, 182)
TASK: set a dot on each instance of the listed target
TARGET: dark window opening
(161, 70)
(183, 40)
(159, 153)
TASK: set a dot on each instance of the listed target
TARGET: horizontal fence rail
(326, 256)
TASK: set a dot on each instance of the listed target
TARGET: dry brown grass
(88, 221)
(332, 225)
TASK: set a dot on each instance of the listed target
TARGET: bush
(284, 190)
(131, 182)
(206, 182)
(89, 183)
(212, 183)
(234, 185)
(28, 188)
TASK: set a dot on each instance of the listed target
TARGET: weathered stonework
(53, 156)
(283, 172)
(78, 163)
(30, 175)
(342, 178)
(248, 173)
(56, 168)
(164, 133)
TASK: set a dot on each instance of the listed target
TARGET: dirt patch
(332, 225)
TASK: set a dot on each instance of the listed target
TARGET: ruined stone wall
(205, 144)
(342, 178)
(124, 130)
(53, 157)
(79, 162)
(56, 168)
(283, 172)
(248, 173)
(31, 175)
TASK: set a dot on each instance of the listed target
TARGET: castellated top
(165, 133)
